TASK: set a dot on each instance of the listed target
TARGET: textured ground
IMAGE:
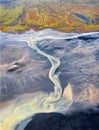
(24, 76)
(21, 66)
(63, 15)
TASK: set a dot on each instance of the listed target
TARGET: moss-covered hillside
(62, 15)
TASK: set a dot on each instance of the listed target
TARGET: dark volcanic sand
(55, 121)
(23, 70)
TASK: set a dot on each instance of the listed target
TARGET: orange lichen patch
(50, 21)
(12, 29)
(32, 17)
(4, 28)
(65, 20)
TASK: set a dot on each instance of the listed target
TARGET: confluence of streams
(41, 102)
(55, 62)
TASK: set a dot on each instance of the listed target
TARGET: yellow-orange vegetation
(32, 17)
(57, 16)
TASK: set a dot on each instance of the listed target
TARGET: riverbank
(30, 60)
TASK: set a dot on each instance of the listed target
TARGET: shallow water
(83, 18)
(57, 101)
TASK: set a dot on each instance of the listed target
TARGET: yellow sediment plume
(68, 92)
(42, 102)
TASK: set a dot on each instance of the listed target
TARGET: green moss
(47, 16)
(20, 28)
(9, 15)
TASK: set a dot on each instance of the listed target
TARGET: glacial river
(56, 101)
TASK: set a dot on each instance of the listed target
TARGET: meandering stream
(56, 101)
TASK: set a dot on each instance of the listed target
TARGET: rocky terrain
(21, 66)
(49, 71)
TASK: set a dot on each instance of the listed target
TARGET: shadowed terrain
(55, 121)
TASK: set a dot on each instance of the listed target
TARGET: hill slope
(61, 15)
